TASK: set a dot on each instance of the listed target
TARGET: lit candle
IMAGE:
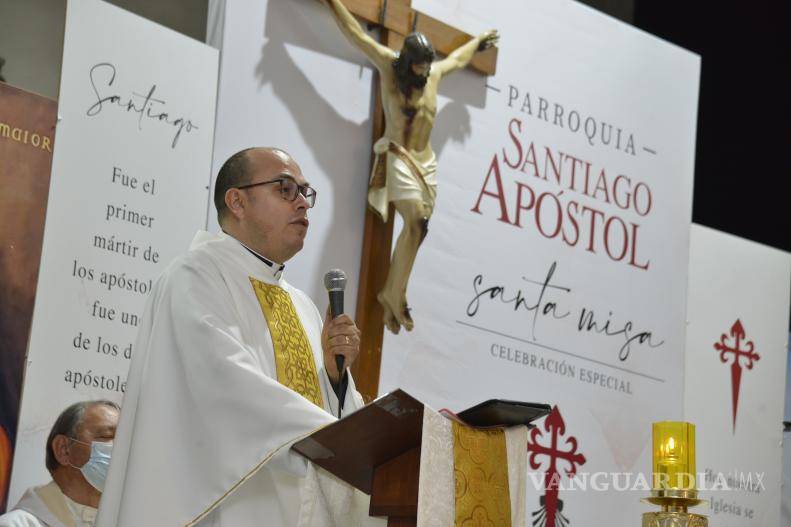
(674, 456)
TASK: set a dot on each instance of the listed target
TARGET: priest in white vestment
(77, 457)
(232, 365)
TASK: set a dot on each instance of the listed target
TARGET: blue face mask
(95, 469)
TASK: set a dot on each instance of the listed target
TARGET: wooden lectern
(377, 449)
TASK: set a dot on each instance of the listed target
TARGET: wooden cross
(397, 19)
(397, 16)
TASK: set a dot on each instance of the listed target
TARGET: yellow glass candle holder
(674, 456)
(674, 488)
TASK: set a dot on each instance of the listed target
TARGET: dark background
(742, 160)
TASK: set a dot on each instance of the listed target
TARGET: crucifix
(404, 165)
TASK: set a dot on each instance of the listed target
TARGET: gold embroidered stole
(480, 463)
(296, 367)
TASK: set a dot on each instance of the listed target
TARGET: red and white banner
(737, 339)
(555, 265)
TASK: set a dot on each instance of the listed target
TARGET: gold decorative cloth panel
(480, 464)
(296, 367)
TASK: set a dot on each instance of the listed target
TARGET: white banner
(737, 339)
(128, 191)
(289, 79)
(555, 263)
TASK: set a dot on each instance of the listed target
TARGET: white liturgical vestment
(47, 506)
(205, 430)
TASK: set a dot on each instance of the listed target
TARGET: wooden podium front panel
(354, 447)
(395, 486)
(395, 521)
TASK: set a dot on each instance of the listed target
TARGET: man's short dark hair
(234, 172)
(67, 423)
(416, 50)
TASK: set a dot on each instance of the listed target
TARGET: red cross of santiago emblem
(551, 512)
(740, 355)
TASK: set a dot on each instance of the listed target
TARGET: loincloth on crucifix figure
(411, 185)
(396, 175)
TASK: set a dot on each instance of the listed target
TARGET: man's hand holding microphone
(340, 338)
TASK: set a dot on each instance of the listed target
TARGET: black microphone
(335, 282)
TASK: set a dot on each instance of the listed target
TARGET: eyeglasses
(289, 190)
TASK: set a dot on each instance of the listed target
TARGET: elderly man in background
(77, 456)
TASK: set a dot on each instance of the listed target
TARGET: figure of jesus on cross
(405, 167)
